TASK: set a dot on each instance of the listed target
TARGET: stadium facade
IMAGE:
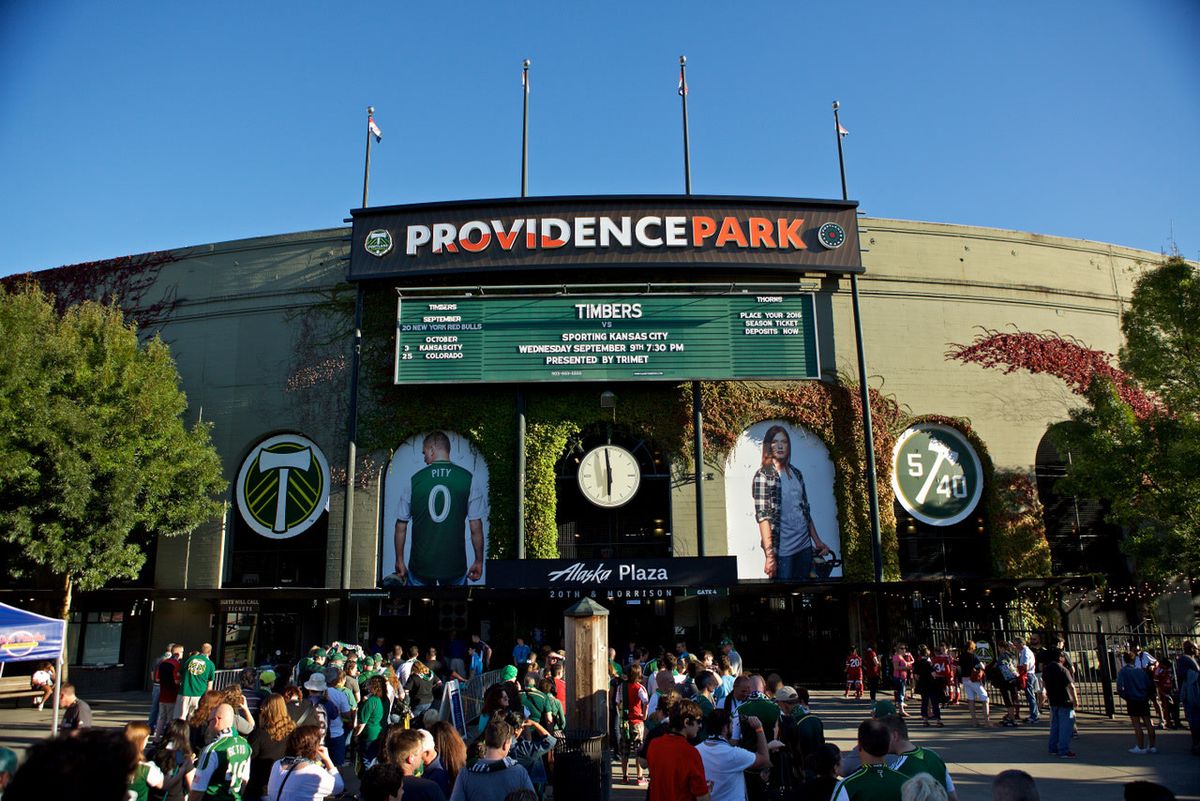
(550, 349)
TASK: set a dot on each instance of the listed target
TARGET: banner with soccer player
(435, 513)
(781, 516)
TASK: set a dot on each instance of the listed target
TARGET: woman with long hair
(293, 697)
(371, 718)
(495, 698)
(198, 722)
(451, 749)
(243, 721)
(176, 760)
(788, 535)
(147, 774)
(306, 773)
(268, 744)
(420, 689)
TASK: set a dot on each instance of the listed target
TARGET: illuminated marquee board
(606, 338)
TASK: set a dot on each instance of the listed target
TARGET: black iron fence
(1095, 655)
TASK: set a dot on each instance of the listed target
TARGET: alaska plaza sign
(624, 577)
(636, 231)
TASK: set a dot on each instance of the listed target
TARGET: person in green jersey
(874, 781)
(147, 774)
(911, 759)
(195, 678)
(224, 765)
(440, 497)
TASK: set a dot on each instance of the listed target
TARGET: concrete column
(586, 639)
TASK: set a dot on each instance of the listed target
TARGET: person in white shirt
(724, 763)
(1027, 664)
(306, 773)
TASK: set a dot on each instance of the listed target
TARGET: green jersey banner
(435, 497)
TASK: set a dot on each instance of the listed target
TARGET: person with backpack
(1002, 673)
(632, 703)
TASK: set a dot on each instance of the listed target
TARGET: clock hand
(608, 471)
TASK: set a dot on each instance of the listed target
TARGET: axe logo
(283, 486)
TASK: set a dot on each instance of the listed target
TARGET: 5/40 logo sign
(283, 486)
(936, 474)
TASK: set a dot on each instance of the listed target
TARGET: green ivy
(833, 413)
(556, 413)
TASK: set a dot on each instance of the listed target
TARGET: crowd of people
(1159, 693)
(690, 725)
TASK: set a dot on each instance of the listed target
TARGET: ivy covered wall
(555, 413)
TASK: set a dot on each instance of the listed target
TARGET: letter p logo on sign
(283, 486)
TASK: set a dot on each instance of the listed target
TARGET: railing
(1094, 654)
(226, 678)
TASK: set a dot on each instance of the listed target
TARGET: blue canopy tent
(26, 637)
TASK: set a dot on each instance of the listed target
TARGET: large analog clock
(609, 476)
(936, 474)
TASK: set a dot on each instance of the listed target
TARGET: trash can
(582, 767)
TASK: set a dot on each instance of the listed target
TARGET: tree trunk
(64, 612)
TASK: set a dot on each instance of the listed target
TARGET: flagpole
(352, 410)
(697, 411)
(367, 164)
(687, 159)
(525, 131)
(868, 434)
(522, 428)
(837, 134)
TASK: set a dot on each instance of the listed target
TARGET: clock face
(936, 474)
(831, 235)
(609, 476)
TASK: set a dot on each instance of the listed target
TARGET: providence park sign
(686, 232)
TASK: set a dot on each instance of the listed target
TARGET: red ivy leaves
(1062, 357)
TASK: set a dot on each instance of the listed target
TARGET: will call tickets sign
(629, 231)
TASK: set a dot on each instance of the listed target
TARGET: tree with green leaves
(95, 458)
(1148, 465)
(1136, 442)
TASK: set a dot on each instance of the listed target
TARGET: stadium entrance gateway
(636, 295)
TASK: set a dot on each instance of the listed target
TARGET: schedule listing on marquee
(606, 337)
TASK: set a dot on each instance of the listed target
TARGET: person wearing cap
(799, 727)
(329, 711)
(735, 659)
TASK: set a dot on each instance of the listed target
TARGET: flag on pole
(525, 80)
(842, 132)
(683, 89)
(374, 128)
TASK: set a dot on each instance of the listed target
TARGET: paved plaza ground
(973, 755)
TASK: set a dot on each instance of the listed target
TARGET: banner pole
(57, 692)
(687, 157)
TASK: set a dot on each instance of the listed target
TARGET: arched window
(1080, 539)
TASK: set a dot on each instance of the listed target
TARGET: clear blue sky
(132, 126)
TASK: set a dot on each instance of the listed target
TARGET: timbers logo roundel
(283, 486)
(378, 242)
